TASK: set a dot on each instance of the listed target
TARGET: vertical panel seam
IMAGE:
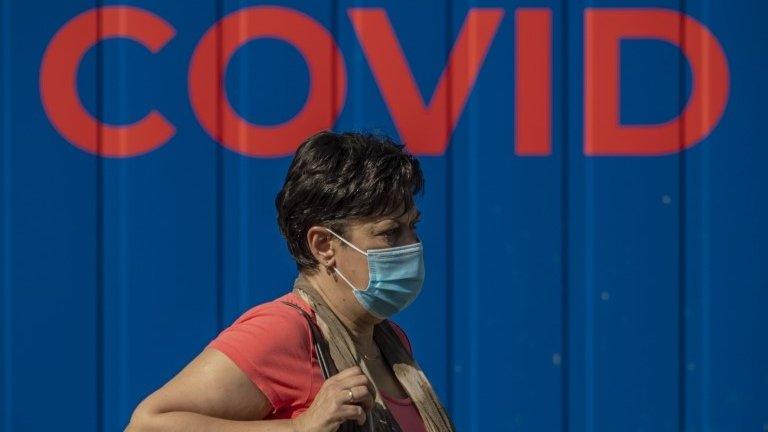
(99, 224)
(219, 172)
(681, 344)
(588, 260)
(449, 220)
(334, 73)
(564, 298)
(5, 112)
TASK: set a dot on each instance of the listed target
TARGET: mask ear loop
(345, 279)
(345, 241)
(336, 269)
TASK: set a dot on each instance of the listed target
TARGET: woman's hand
(332, 405)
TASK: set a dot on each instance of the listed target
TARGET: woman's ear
(319, 241)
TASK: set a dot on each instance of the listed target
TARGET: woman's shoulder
(271, 323)
(271, 343)
(277, 309)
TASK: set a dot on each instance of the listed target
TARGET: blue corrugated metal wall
(564, 292)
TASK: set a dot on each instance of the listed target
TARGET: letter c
(58, 81)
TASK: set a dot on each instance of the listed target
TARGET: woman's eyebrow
(387, 222)
(383, 224)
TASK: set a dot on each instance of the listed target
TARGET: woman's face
(373, 233)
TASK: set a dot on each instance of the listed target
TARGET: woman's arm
(210, 394)
(193, 422)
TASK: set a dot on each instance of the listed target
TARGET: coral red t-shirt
(272, 344)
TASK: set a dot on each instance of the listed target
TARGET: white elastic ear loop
(338, 272)
(336, 269)
(345, 241)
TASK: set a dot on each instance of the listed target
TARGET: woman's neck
(347, 310)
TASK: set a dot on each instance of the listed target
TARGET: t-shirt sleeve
(403, 337)
(272, 347)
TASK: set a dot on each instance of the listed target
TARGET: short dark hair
(338, 176)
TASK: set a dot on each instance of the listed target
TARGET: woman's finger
(361, 392)
(358, 394)
(352, 370)
(346, 396)
(365, 398)
(352, 412)
(353, 381)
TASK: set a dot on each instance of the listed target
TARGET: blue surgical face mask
(395, 278)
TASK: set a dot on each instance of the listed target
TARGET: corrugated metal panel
(51, 327)
(566, 291)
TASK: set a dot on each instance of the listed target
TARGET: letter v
(425, 130)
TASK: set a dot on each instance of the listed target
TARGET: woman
(348, 215)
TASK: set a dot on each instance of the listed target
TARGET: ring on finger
(351, 395)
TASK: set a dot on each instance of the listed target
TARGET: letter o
(207, 71)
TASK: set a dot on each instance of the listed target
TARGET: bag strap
(324, 358)
(321, 345)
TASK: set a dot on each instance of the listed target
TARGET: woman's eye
(390, 235)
